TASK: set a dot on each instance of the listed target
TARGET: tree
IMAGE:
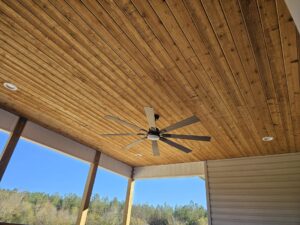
(158, 221)
(44, 209)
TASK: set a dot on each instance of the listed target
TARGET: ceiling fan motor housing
(153, 137)
(153, 134)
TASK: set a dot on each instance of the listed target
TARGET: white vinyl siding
(255, 191)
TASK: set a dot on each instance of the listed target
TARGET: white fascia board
(7, 120)
(294, 7)
(48, 138)
(170, 170)
(68, 146)
(115, 165)
(56, 141)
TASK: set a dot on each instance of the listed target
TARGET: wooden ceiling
(234, 64)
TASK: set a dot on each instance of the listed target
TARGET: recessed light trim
(138, 155)
(10, 86)
(268, 138)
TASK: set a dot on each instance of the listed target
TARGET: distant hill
(44, 209)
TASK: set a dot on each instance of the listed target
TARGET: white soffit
(294, 7)
(170, 170)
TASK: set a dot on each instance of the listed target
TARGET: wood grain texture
(234, 64)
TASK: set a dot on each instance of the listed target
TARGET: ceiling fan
(154, 134)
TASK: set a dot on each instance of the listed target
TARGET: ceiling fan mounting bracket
(154, 131)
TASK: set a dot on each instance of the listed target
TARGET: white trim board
(7, 120)
(170, 170)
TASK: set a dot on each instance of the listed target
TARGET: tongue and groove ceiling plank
(234, 64)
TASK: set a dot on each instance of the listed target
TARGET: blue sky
(36, 168)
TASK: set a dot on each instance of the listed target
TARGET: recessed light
(267, 138)
(138, 155)
(10, 86)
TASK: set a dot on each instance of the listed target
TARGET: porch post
(207, 192)
(82, 214)
(11, 145)
(129, 199)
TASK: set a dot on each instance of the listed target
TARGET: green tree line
(53, 209)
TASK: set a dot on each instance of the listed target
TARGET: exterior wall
(255, 191)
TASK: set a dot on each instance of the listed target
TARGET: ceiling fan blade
(150, 117)
(136, 142)
(174, 144)
(182, 123)
(187, 137)
(155, 148)
(122, 134)
(123, 122)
